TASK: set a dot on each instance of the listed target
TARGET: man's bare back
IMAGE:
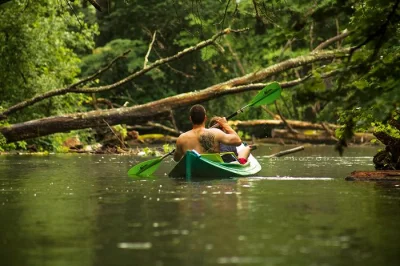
(202, 140)
(205, 140)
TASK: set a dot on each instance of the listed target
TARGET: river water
(84, 210)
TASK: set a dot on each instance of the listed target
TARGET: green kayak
(211, 165)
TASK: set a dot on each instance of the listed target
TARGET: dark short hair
(197, 114)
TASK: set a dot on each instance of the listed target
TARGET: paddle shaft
(156, 162)
(237, 112)
(253, 103)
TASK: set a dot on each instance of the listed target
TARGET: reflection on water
(84, 210)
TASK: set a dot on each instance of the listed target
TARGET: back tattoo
(207, 141)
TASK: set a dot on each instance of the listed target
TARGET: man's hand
(223, 124)
(232, 138)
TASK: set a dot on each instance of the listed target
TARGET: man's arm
(229, 136)
(178, 154)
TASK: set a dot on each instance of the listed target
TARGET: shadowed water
(84, 210)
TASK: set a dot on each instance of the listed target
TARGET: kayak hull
(197, 165)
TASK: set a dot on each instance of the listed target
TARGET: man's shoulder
(212, 130)
(186, 132)
(185, 135)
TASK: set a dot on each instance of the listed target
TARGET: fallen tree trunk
(319, 137)
(153, 110)
(279, 123)
(151, 128)
(264, 128)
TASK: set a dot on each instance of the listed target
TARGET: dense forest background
(50, 45)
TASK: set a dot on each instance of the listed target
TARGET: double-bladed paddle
(267, 95)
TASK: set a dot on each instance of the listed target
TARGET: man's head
(197, 114)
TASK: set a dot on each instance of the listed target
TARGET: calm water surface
(84, 210)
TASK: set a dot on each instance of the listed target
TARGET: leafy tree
(41, 42)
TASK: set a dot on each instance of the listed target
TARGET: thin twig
(338, 44)
(73, 11)
(171, 113)
(146, 59)
(226, 11)
(328, 130)
(186, 75)
(269, 112)
(284, 48)
(332, 40)
(235, 56)
(311, 36)
(290, 128)
(112, 130)
(102, 70)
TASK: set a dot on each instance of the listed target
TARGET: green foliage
(3, 142)
(167, 148)
(243, 135)
(382, 127)
(56, 142)
(4, 146)
(149, 152)
(123, 132)
(372, 84)
(40, 45)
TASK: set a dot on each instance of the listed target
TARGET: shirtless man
(202, 139)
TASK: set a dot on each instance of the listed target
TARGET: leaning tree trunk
(150, 111)
(126, 115)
